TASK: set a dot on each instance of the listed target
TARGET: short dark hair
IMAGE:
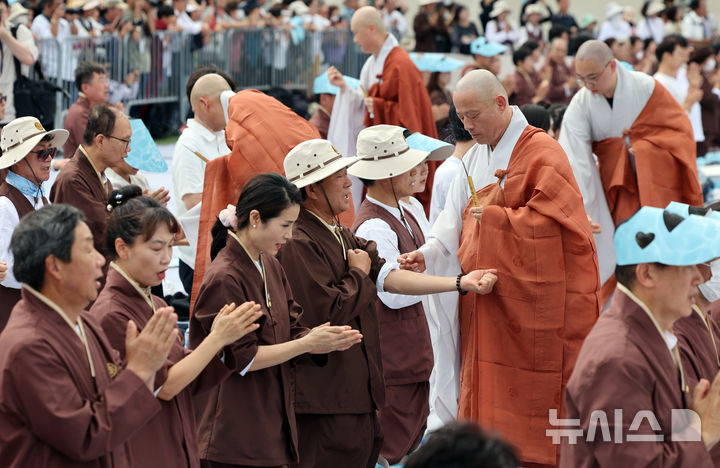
(669, 44)
(134, 216)
(47, 231)
(164, 11)
(206, 71)
(101, 121)
(521, 54)
(85, 71)
(456, 126)
(461, 445)
(700, 54)
(537, 116)
(694, 5)
(530, 44)
(557, 30)
(45, 3)
(269, 194)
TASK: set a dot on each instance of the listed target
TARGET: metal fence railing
(261, 58)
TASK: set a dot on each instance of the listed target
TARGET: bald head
(209, 86)
(205, 101)
(367, 16)
(484, 83)
(594, 51)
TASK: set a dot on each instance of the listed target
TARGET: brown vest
(405, 344)
(11, 296)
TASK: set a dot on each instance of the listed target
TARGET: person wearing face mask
(27, 149)
(140, 237)
(388, 167)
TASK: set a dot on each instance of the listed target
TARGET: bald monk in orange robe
(396, 93)
(518, 344)
(260, 132)
(643, 140)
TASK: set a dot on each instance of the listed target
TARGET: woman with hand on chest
(139, 237)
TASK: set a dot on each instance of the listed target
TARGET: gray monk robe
(248, 419)
(338, 397)
(53, 413)
(626, 364)
(170, 438)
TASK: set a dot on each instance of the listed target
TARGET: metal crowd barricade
(260, 58)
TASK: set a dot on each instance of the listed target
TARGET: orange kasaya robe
(519, 343)
(260, 132)
(665, 163)
(400, 98)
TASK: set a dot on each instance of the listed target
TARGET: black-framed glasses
(591, 79)
(127, 142)
(45, 154)
(3, 98)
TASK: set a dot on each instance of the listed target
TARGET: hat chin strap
(37, 181)
(402, 215)
(335, 217)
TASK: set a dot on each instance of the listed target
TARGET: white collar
(389, 44)
(507, 142)
(196, 127)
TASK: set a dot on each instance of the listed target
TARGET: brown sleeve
(213, 296)
(81, 429)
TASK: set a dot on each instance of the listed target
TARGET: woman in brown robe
(139, 239)
(249, 419)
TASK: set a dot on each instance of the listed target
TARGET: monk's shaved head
(594, 51)
(485, 84)
(481, 104)
(209, 86)
(367, 16)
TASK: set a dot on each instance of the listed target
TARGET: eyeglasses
(127, 142)
(45, 154)
(3, 98)
(591, 79)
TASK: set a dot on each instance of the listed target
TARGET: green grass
(168, 140)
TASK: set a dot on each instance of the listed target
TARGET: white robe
(440, 251)
(348, 114)
(589, 118)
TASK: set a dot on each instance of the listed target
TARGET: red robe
(519, 343)
(665, 164)
(400, 98)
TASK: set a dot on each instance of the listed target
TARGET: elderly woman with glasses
(27, 150)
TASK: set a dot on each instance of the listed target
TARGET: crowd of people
(484, 261)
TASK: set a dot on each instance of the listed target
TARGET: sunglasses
(3, 98)
(45, 154)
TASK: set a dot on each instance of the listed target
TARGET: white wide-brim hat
(428, 2)
(499, 8)
(312, 161)
(21, 135)
(612, 9)
(535, 9)
(383, 153)
(654, 8)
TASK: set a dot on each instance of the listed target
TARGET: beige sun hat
(428, 2)
(383, 153)
(18, 14)
(500, 7)
(313, 160)
(21, 135)
(535, 9)
(91, 5)
(654, 8)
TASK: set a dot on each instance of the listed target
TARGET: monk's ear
(122, 249)
(54, 267)
(501, 102)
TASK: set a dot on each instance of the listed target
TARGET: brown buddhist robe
(663, 166)
(406, 351)
(400, 98)
(519, 343)
(53, 413)
(11, 296)
(75, 123)
(626, 364)
(526, 85)
(170, 438)
(348, 388)
(321, 121)
(560, 74)
(80, 185)
(248, 419)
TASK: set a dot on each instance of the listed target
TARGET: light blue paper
(144, 153)
(695, 240)
(438, 149)
(434, 62)
(322, 85)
